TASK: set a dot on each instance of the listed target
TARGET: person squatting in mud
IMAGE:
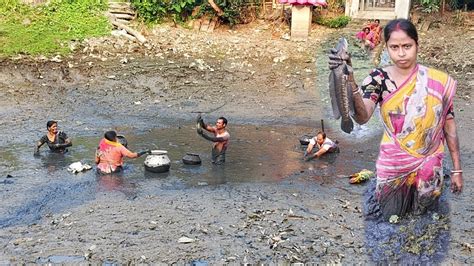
(221, 138)
(57, 141)
(416, 106)
(324, 145)
(110, 153)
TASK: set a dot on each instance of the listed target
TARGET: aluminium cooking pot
(157, 162)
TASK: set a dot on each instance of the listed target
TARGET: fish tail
(347, 125)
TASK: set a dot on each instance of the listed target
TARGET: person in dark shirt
(56, 140)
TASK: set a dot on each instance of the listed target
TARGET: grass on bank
(47, 29)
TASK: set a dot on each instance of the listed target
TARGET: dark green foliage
(150, 10)
(234, 10)
(337, 22)
(158, 10)
(430, 6)
(180, 10)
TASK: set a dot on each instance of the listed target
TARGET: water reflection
(119, 181)
(256, 154)
(53, 161)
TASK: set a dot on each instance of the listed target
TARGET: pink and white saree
(409, 166)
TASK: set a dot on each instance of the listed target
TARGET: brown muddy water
(256, 154)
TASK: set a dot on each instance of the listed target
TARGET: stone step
(122, 11)
(119, 5)
(382, 15)
(123, 21)
(122, 16)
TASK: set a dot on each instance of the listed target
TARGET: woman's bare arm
(452, 140)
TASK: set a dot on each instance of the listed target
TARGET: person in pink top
(221, 138)
(366, 37)
(110, 153)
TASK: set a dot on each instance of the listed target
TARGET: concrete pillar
(402, 8)
(352, 8)
(300, 22)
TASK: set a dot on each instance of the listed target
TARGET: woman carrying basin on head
(56, 140)
(416, 106)
(110, 153)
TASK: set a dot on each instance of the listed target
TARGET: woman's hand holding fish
(336, 60)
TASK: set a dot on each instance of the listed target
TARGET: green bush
(47, 29)
(181, 10)
(234, 10)
(159, 10)
(337, 22)
(430, 6)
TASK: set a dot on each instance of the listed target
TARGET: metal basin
(122, 140)
(192, 159)
(157, 161)
(304, 140)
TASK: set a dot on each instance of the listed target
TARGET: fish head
(342, 46)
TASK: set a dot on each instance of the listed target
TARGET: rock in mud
(186, 240)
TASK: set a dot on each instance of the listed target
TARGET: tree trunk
(216, 8)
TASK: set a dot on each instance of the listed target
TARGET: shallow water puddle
(39, 185)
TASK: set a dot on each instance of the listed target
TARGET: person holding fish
(324, 145)
(416, 107)
(57, 141)
(221, 137)
(110, 153)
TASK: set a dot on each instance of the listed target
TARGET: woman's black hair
(110, 135)
(400, 24)
(50, 123)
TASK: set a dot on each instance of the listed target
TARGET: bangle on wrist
(456, 171)
(358, 91)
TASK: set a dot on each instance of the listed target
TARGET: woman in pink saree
(416, 106)
(366, 37)
(110, 153)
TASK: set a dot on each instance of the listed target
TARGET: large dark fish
(340, 91)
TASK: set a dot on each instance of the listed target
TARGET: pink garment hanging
(305, 2)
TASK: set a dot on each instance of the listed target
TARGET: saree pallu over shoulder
(412, 147)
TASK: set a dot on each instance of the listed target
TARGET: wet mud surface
(265, 205)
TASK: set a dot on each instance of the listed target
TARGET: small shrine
(301, 16)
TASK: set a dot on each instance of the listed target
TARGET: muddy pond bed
(265, 205)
